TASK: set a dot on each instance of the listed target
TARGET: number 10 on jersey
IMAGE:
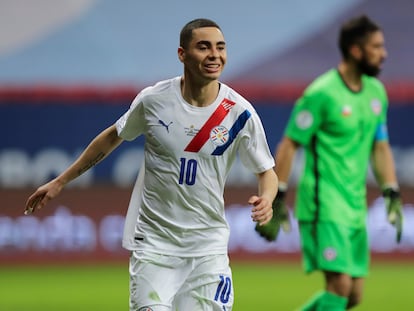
(188, 171)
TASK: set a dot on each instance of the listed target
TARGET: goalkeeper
(340, 121)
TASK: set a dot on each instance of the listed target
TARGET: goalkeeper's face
(373, 54)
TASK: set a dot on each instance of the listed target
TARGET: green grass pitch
(258, 286)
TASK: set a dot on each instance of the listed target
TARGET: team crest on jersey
(304, 119)
(346, 110)
(329, 253)
(191, 130)
(219, 135)
(376, 106)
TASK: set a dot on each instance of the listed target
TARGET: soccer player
(340, 122)
(194, 127)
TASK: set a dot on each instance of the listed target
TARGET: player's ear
(181, 53)
(355, 51)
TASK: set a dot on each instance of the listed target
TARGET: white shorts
(163, 283)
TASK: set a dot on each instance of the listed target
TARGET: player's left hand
(393, 206)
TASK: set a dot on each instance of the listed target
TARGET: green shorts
(331, 247)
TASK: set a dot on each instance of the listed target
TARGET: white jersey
(188, 154)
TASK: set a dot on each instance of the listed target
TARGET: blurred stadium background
(70, 68)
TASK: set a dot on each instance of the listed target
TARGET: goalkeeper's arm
(285, 155)
(384, 170)
(280, 218)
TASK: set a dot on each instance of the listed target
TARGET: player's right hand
(280, 219)
(42, 196)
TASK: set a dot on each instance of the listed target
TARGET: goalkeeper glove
(280, 218)
(394, 209)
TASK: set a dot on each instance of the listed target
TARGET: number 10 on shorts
(223, 289)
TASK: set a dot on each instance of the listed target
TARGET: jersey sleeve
(254, 149)
(131, 124)
(306, 117)
(381, 132)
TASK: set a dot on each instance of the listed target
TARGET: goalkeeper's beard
(366, 68)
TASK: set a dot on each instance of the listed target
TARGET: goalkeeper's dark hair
(186, 33)
(355, 31)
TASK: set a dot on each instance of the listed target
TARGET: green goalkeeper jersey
(337, 128)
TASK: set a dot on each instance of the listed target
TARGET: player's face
(206, 54)
(373, 54)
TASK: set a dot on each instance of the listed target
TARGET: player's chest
(180, 130)
(349, 116)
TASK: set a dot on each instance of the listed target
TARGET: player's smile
(212, 68)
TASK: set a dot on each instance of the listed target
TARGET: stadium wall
(86, 225)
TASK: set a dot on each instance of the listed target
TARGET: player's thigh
(332, 247)
(155, 280)
(209, 287)
(360, 253)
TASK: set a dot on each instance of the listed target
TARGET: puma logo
(165, 125)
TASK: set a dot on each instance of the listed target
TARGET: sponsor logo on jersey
(304, 119)
(145, 309)
(165, 125)
(219, 135)
(346, 110)
(329, 253)
(376, 106)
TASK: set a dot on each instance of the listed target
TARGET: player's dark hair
(355, 31)
(186, 33)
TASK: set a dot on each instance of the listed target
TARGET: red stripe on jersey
(215, 119)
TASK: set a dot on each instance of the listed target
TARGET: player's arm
(262, 203)
(102, 145)
(383, 166)
(284, 156)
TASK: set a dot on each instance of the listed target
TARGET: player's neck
(351, 76)
(199, 94)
